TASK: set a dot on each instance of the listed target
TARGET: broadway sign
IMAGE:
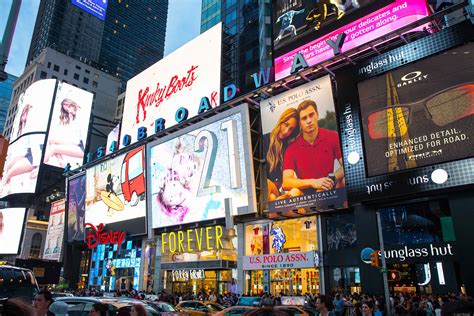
(292, 260)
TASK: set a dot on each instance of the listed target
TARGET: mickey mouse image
(110, 185)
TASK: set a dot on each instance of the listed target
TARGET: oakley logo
(410, 78)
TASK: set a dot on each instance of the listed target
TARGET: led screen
(20, 172)
(302, 149)
(112, 137)
(297, 19)
(34, 107)
(76, 208)
(358, 32)
(97, 8)
(180, 80)
(11, 228)
(69, 125)
(55, 234)
(193, 172)
(115, 192)
(419, 114)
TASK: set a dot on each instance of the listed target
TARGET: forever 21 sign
(289, 260)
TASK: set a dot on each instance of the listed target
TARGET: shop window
(341, 232)
(419, 223)
(344, 279)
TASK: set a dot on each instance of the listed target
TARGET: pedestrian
(59, 308)
(138, 310)
(323, 305)
(42, 301)
(17, 307)
(99, 309)
(368, 308)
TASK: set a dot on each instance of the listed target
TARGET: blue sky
(184, 18)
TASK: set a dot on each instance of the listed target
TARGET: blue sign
(97, 8)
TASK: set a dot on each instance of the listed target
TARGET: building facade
(6, 89)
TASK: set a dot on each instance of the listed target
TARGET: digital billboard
(361, 31)
(20, 172)
(55, 234)
(114, 136)
(302, 149)
(67, 134)
(11, 228)
(419, 114)
(116, 193)
(193, 171)
(97, 8)
(160, 96)
(34, 107)
(76, 208)
(293, 20)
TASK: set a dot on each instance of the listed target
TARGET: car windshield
(166, 307)
(215, 307)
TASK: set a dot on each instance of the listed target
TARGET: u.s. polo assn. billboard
(174, 88)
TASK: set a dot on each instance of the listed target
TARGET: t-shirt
(313, 161)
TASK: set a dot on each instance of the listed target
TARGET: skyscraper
(126, 38)
(247, 37)
(6, 88)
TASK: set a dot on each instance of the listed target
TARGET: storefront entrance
(199, 280)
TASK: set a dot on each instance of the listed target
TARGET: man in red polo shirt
(309, 159)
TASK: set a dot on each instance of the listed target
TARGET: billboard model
(76, 208)
(302, 149)
(419, 114)
(97, 8)
(55, 234)
(194, 171)
(357, 33)
(67, 134)
(178, 81)
(11, 228)
(115, 193)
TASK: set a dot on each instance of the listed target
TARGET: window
(49, 65)
(95, 84)
(85, 80)
(54, 77)
(87, 71)
(36, 245)
(76, 76)
(43, 75)
(78, 67)
(65, 72)
(56, 68)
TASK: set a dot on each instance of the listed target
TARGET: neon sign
(96, 236)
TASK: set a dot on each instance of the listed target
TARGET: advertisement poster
(113, 136)
(180, 80)
(97, 8)
(67, 135)
(76, 208)
(192, 174)
(358, 32)
(11, 229)
(34, 107)
(55, 235)
(419, 114)
(20, 172)
(308, 18)
(115, 192)
(302, 149)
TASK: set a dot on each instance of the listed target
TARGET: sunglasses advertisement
(419, 114)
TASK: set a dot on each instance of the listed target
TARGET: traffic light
(374, 259)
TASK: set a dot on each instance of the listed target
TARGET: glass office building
(6, 88)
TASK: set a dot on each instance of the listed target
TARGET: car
(17, 282)
(293, 310)
(61, 294)
(165, 308)
(197, 308)
(249, 301)
(234, 310)
(125, 304)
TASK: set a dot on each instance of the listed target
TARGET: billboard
(177, 82)
(11, 228)
(34, 107)
(295, 20)
(302, 149)
(114, 136)
(357, 33)
(55, 234)
(193, 171)
(115, 193)
(76, 208)
(20, 172)
(67, 134)
(419, 114)
(97, 8)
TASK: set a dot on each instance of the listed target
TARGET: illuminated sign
(192, 240)
(113, 140)
(186, 275)
(11, 227)
(127, 263)
(76, 208)
(291, 260)
(67, 133)
(115, 193)
(183, 84)
(97, 8)
(302, 149)
(354, 34)
(97, 236)
(55, 234)
(193, 172)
